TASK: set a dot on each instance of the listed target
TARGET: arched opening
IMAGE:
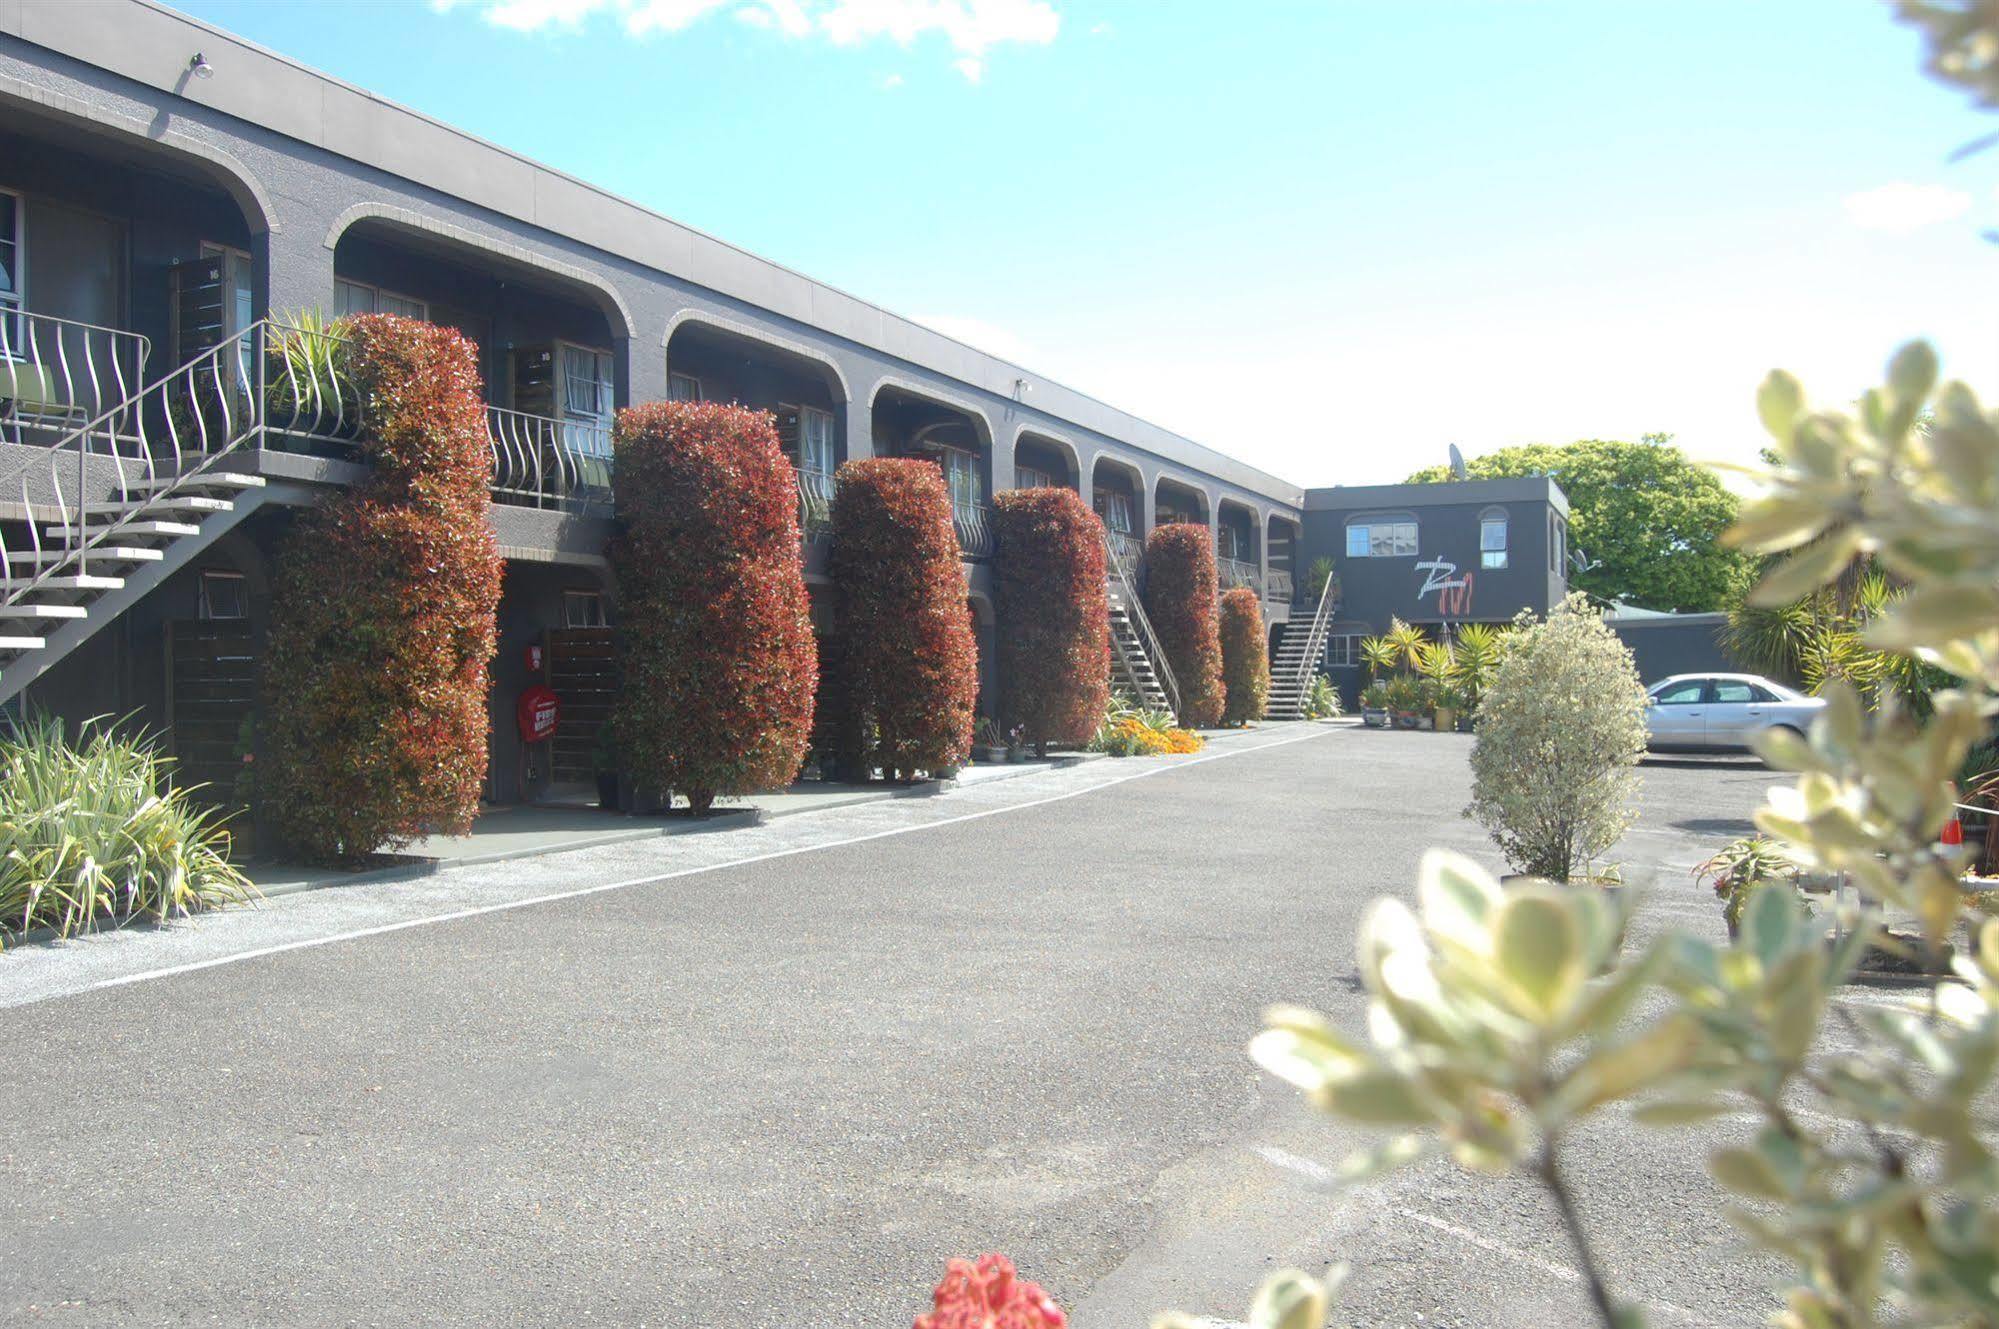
(806, 396)
(1117, 492)
(1041, 462)
(981, 610)
(1238, 555)
(1180, 502)
(957, 439)
(551, 349)
(121, 257)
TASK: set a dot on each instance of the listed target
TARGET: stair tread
(81, 582)
(108, 553)
(43, 611)
(206, 480)
(164, 503)
(140, 527)
(8, 643)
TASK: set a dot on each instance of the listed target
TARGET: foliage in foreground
(1322, 700)
(717, 686)
(1870, 1168)
(909, 664)
(1648, 519)
(1053, 615)
(90, 830)
(1245, 657)
(1180, 600)
(383, 612)
(989, 1294)
(1560, 731)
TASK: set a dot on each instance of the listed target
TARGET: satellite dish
(1458, 464)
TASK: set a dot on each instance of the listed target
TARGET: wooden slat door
(211, 687)
(582, 669)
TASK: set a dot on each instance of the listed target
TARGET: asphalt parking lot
(783, 1085)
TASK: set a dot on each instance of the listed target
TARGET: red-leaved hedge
(1053, 617)
(1245, 657)
(719, 662)
(382, 613)
(1180, 601)
(909, 664)
(989, 1294)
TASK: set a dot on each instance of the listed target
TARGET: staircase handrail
(1135, 611)
(228, 380)
(1315, 637)
(85, 364)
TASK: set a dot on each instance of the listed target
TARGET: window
(10, 272)
(683, 387)
(1558, 545)
(1116, 510)
(815, 447)
(1229, 543)
(1686, 692)
(221, 594)
(1738, 690)
(961, 476)
(1381, 539)
(354, 297)
(238, 300)
(583, 609)
(587, 397)
(1032, 477)
(1343, 650)
(1492, 540)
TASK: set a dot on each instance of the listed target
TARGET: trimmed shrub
(989, 1294)
(1560, 730)
(382, 616)
(719, 661)
(1180, 601)
(90, 829)
(1053, 616)
(1245, 657)
(909, 662)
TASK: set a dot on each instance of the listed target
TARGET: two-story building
(174, 198)
(1436, 555)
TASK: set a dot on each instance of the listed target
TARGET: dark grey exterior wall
(1447, 516)
(1681, 644)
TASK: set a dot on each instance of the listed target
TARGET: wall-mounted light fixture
(199, 66)
(1021, 387)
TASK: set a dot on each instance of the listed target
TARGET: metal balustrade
(1127, 552)
(815, 503)
(975, 528)
(146, 454)
(1234, 572)
(542, 462)
(57, 374)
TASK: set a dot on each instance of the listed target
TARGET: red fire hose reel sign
(537, 712)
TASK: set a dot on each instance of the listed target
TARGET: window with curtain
(1117, 512)
(815, 440)
(1032, 477)
(961, 474)
(683, 387)
(586, 399)
(1381, 539)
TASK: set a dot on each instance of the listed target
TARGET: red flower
(987, 1295)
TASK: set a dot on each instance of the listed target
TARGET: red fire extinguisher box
(537, 712)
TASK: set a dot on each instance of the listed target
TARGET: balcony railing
(541, 462)
(975, 528)
(1279, 587)
(1234, 572)
(1127, 552)
(57, 374)
(815, 503)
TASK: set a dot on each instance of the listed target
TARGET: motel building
(173, 198)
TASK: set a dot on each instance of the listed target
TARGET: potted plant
(1740, 867)
(1374, 704)
(1405, 700)
(1450, 706)
(604, 757)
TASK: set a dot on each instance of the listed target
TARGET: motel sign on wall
(1453, 589)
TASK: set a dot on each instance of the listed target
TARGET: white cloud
(1903, 207)
(890, 82)
(972, 28)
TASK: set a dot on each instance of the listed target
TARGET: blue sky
(1329, 238)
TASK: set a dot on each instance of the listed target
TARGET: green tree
(1649, 520)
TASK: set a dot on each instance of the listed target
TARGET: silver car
(1722, 711)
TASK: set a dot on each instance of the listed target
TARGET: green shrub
(90, 830)
(383, 613)
(1053, 618)
(718, 661)
(1560, 730)
(1322, 702)
(1245, 657)
(1742, 866)
(1180, 600)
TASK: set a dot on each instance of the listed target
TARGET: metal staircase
(1299, 646)
(131, 494)
(1137, 659)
